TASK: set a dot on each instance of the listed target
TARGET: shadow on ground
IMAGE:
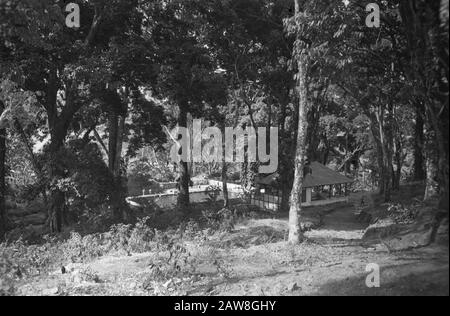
(418, 281)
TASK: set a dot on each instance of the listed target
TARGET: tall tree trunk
(380, 161)
(295, 233)
(113, 130)
(244, 171)
(387, 172)
(381, 173)
(419, 145)
(119, 176)
(431, 189)
(113, 127)
(249, 169)
(284, 158)
(57, 207)
(58, 125)
(386, 155)
(396, 180)
(116, 129)
(226, 200)
(286, 152)
(57, 198)
(398, 157)
(183, 201)
(427, 34)
(2, 181)
(440, 125)
(444, 183)
(384, 166)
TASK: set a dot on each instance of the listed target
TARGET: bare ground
(254, 259)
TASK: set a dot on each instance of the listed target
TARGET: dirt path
(334, 260)
(339, 225)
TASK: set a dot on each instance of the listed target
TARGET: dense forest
(88, 108)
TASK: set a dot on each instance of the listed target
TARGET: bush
(402, 214)
(19, 259)
(79, 249)
(141, 237)
(174, 257)
(174, 261)
(120, 238)
(222, 220)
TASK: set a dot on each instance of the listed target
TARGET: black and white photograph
(224, 155)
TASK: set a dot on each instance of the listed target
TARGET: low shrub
(174, 255)
(222, 220)
(401, 214)
(20, 260)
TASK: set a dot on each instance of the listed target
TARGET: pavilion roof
(320, 175)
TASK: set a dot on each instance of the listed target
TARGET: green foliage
(223, 220)
(22, 178)
(147, 118)
(120, 239)
(402, 214)
(174, 261)
(19, 260)
(232, 62)
(85, 178)
(20, 105)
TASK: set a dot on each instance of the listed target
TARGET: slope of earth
(254, 259)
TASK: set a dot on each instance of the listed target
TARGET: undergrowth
(20, 260)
